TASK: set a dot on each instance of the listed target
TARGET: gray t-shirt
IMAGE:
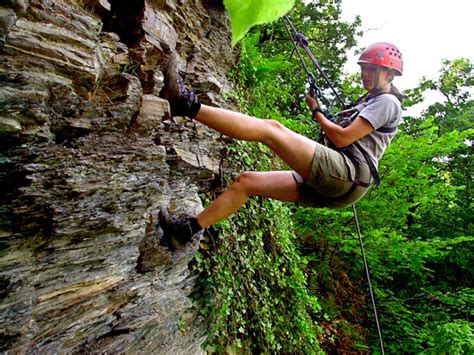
(381, 111)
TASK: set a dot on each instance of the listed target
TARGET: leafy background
(291, 279)
(246, 13)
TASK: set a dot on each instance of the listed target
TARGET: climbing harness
(299, 39)
(372, 168)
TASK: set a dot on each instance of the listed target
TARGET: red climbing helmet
(383, 54)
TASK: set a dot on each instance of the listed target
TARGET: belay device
(298, 39)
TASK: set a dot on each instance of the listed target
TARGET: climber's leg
(294, 149)
(280, 185)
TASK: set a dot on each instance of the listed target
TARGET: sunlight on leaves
(246, 13)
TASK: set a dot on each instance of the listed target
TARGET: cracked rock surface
(88, 154)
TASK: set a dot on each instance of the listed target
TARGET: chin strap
(378, 88)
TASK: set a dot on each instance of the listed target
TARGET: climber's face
(370, 78)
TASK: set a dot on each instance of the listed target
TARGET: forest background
(291, 279)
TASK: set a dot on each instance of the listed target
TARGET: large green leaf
(246, 13)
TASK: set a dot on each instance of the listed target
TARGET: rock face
(88, 154)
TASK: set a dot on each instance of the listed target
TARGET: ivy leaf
(246, 13)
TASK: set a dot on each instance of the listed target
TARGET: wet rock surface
(88, 155)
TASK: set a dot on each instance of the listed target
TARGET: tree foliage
(246, 13)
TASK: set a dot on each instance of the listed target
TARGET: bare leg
(294, 149)
(278, 185)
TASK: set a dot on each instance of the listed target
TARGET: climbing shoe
(177, 232)
(183, 102)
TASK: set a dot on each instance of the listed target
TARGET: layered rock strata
(88, 154)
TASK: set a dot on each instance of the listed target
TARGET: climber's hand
(312, 102)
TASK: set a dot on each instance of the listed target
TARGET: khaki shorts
(331, 176)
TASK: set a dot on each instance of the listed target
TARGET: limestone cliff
(88, 154)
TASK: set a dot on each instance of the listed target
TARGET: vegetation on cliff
(287, 278)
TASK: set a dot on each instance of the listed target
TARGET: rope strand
(367, 274)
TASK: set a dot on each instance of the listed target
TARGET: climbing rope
(298, 38)
(367, 274)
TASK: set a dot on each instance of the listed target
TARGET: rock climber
(321, 176)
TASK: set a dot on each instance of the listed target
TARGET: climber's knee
(274, 132)
(245, 182)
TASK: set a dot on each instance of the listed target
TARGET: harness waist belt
(356, 181)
